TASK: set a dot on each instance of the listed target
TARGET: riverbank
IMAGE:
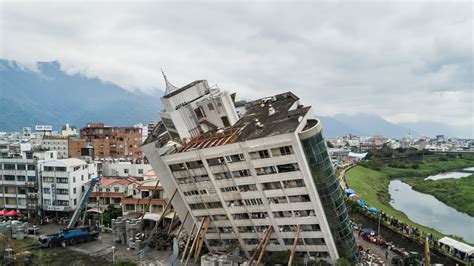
(372, 187)
(456, 193)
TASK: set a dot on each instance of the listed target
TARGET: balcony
(279, 177)
(244, 180)
(274, 160)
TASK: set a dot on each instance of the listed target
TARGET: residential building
(124, 169)
(19, 187)
(60, 144)
(267, 169)
(113, 142)
(62, 183)
(139, 202)
(68, 131)
(110, 192)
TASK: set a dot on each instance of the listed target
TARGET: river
(455, 175)
(428, 211)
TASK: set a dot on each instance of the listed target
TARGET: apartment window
(49, 168)
(271, 185)
(241, 173)
(62, 203)
(245, 188)
(310, 227)
(293, 183)
(291, 167)
(31, 167)
(140, 171)
(266, 170)
(201, 178)
(48, 179)
(240, 216)
(257, 201)
(194, 164)
(74, 179)
(314, 241)
(61, 180)
(62, 191)
(9, 167)
(259, 215)
(197, 206)
(299, 198)
(129, 207)
(47, 202)
(203, 192)
(235, 158)
(223, 175)
(125, 171)
(82, 177)
(21, 167)
(210, 106)
(75, 202)
(283, 214)
(191, 193)
(21, 178)
(61, 169)
(229, 189)
(31, 178)
(214, 205)
(21, 202)
(116, 189)
(177, 167)
(215, 161)
(199, 113)
(225, 121)
(9, 178)
(278, 200)
(287, 150)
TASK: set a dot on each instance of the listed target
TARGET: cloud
(402, 61)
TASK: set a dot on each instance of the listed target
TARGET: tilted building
(266, 166)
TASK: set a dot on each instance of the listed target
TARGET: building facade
(110, 192)
(19, 187)
(63, 183)
(269, 169)
(60, 144)
(124, 169)
(113, 142)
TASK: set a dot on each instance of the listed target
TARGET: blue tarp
(361, 203)
(349, 191)
(374, 210)
(367, 231)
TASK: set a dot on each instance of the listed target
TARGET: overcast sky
(406, 62)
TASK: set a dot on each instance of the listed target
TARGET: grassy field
(372, 187)
(457, 193)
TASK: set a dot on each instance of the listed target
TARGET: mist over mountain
(50, 96)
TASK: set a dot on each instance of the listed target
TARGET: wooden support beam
(182, 224)
(293, 248)
(201, 240)
(264, 246)
(190, 235)
(260, 245)
(171, 224)
(155, 228)
(194, 241)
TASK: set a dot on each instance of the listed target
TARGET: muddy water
(396, 239)
(63, 256)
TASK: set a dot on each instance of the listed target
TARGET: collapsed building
(253, 177)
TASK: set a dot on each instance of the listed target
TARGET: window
(197, 206)
(277, 200)
(74, 190)
(129, 207)
(9, 166)
(21, 167)
(201, 178)
(60, 169)
(199, 113)
(61, 191)
(241, 173)
(283, 214)
(210, 106)
(235, 158)
(62, 203)
(61, 180)
(116, 189)
(21, 178)
(74, 179)
(266, 170)
(82, 177)
(75, 202)
(284, 168)
(223, 175)
(177, 167)
(31, 167)
(245, 188)
(271, 185)
(229, 189)
(47, 202)
(214, 205)
(32, 179)
(9, 178)
(125, 171)
(225, 121)
(46, 190)
(194, 164)
(215, 161)
(299, 198)
(140, 171)
(293, 183)
(286, 150)
(49, 168)
(257, 201)
(48, 179)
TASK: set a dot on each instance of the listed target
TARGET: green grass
(372, 187)
(428, 167)
(457, 193)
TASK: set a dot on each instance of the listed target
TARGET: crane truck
(72, 235)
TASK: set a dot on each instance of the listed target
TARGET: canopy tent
(11, 213)
(359, 156)
(464, 248)
(354, 196)
(361, 203)
(448, 241)
(152, 216)
(349, 191)
(3, 212)
(373, 210)
(98, 210)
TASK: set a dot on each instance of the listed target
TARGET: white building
(63, 181)
(60, 144)
(124, 169)
(67, 131)
(268, 169)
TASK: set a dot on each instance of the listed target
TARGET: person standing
(386, 255)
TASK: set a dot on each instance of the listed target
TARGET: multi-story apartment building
(124, 169)
(62, 184)
(111, 191)
(140, 202)
(112, 142)
(267, 169)
(19, 187)
(56, 143)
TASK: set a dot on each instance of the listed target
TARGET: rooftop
(106, 181)
(258, 121)
(175, 92)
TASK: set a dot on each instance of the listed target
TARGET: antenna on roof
(169, 87)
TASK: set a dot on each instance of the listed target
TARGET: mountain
(50, 96)
(431, 129)
(362, 125)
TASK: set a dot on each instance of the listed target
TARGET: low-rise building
(56, 143)
(139, 202)
(124, 169)
(110, 192)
